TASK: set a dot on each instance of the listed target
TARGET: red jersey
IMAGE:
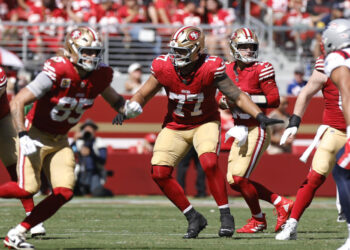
(62, 106)
(257, 79)
(332, 113)
(193, 104)
(220, 20)
(185, 18)
(4, 103)
(140, 17)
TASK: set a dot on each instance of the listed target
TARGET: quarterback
(336, 42)
(257, 79)
(334, 137)
(61, 92)
(190, 78)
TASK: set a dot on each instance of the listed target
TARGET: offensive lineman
(334, 137)
(190, 78)
(65, 88)
(257, 79)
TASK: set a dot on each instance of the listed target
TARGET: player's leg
(242, 161)
(182, 168)
(206, 140)
(8, 155)
(59, 169)
(322, 163)
(169, 148)
(342, 179)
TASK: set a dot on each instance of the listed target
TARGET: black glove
(294, 121)
(118, 119)
(265, 121)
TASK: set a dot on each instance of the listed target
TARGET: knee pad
(64, 193)
(161, 172)
(208, 161)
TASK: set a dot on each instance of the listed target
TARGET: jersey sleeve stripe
(343, 54)
(221, 68)
(266, 73)
(264, 77)
(3, 83)
(50, 74)
(267, 68)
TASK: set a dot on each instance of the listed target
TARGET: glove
(240, 133)
(265, 121)
(344, 160)
(292, 128)
(118, 119)
(28, 145)
(132, 109)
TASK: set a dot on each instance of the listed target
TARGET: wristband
(22, 133)
(294, 121)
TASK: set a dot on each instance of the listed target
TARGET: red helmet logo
(75, 34)
(194, 35)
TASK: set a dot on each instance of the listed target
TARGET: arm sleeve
(40, 85)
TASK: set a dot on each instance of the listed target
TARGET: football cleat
(346, 245)
(341, 217)
(227, 225)
(283, 210)
(289, 231)
(195, 224)
(38, 230)
(17, 240)
(254, 225)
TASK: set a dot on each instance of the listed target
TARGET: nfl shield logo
(65, 83)
(82, 84)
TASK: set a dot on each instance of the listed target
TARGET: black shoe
(227, 225)
(195, 224)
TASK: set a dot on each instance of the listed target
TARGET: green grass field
(154, 223)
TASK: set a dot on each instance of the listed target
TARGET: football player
(8, 148)
(257, 79)
(334, 137)
(190, 78)
(61, 92)
(336, 41)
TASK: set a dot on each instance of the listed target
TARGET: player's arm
(314, 85)
(114, 99)
(2, 91)
(147, 91)
(234, 94)
(24, 97)
(341, 78)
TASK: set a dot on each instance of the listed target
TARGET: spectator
(165, 9)
(297, 83)
(144, 146)
(134, 81)
(182, 170)
(187, 16)
(278, 129)
(107, 17)
(92, 155)
(220, 20)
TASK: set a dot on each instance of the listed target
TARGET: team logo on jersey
(194, 35)
(82, 84)
(75, 34)
(65, 83)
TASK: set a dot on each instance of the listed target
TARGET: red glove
(344, 160)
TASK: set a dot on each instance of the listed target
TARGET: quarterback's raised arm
(147, 91)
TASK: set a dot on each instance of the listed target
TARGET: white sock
(292, 220)
(259, 215)
(278, 199)
(187, 209)
(21, 228)
(28, 213)
(349, 229)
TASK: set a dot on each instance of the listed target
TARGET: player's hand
(28, 146)
(265, 121)
(240, 133)
(132, 109)
(118, 119)
(292, 128)
(344, 160)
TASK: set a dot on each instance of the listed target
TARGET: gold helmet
(84, 40)
(244, 36)
(186, 44)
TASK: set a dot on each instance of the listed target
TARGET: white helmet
(243, 36)
(337, 35)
